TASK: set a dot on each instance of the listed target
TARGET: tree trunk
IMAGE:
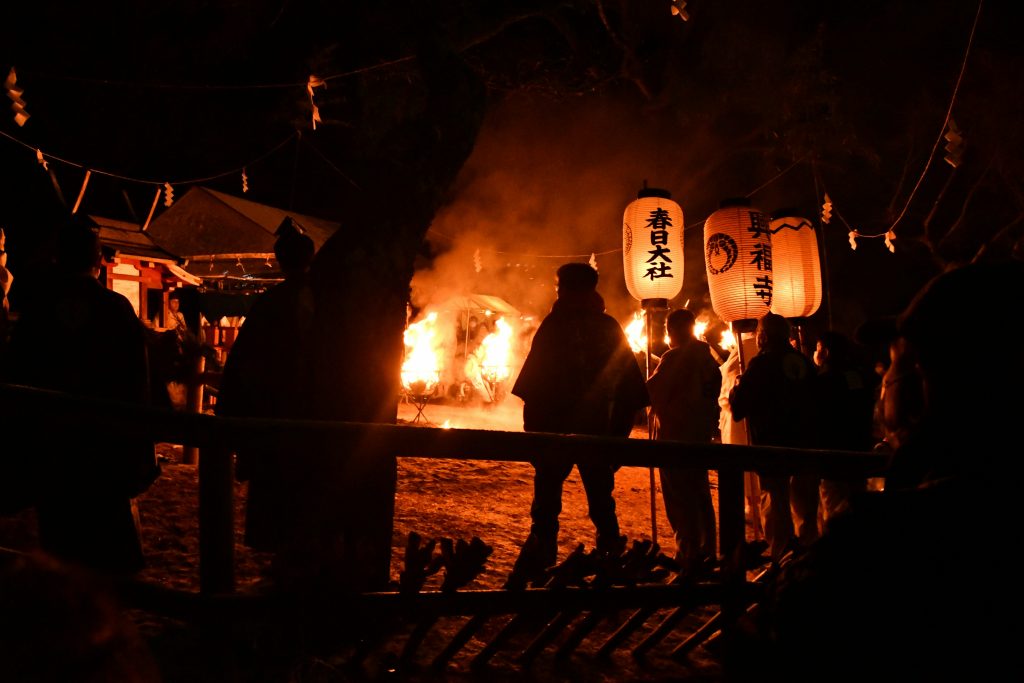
(361, 279)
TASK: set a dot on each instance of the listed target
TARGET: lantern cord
(777, 176)
(824, 249)
(331, 164)
(160, 183)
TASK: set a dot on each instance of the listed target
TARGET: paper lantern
(738, 257)
(652, 246)
(796, 266)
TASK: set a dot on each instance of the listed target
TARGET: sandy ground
(435, 498)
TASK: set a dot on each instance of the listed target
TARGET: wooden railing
(219, 437)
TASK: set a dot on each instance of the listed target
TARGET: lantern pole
(649, 307)
(800, 337)
(652, 220)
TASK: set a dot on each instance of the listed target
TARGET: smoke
(547, 184)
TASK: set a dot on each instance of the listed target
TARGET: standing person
(580, 377)
(84, 339)
(847, 400)
(175, 317)
(777, 393)
(267, 374)
(684, 397)
(735, 432)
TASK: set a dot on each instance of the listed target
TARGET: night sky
(778, 102)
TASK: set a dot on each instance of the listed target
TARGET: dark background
(781, 102)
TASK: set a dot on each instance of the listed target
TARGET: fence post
(194, 404)
(216, 522)
(732, 521)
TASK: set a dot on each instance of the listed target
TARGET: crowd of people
(858, 568)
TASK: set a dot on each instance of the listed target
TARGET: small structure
(227, 244)
(227, 241)
(143, 272)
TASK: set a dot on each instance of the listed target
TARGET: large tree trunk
(362, 277)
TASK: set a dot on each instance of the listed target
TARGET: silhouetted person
(775, 395)
(684, 397)
(85, 339)
(267, 374)
(580, 377)
(919, 581)
(846, 401)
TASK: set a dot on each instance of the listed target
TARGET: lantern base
(745, 325)
(653, 304)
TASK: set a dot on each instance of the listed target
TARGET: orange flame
(497, 353)
(636, 333)
(728, 340)
(421, 370)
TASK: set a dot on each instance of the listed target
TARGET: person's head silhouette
(78, 249)
(294, 251)
(772, 332)
(576, 277)
(679, 325)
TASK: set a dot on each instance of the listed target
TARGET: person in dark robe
(846, 395)
(84, 339)
(267, 374)
(579, 377)
(684, 393)
(776, 396)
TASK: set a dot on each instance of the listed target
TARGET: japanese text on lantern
(761, 254)
(659, 223)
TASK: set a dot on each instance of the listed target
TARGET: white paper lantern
(796, 267)
(652, 246)
(738, 257)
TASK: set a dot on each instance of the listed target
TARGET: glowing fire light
(728, 340)
(421, 370)
(699, 328)
(447, 424)
(636, 333)
(497, 353)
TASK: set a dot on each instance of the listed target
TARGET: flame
(636, 333)
(497, 353)
(728, 340)
(447, 424)
(421, 370)
(699, 328)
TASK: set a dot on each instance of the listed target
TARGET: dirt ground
(436, 499)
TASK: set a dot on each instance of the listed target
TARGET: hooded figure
(580, 377)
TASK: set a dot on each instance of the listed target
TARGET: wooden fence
(217, 438)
